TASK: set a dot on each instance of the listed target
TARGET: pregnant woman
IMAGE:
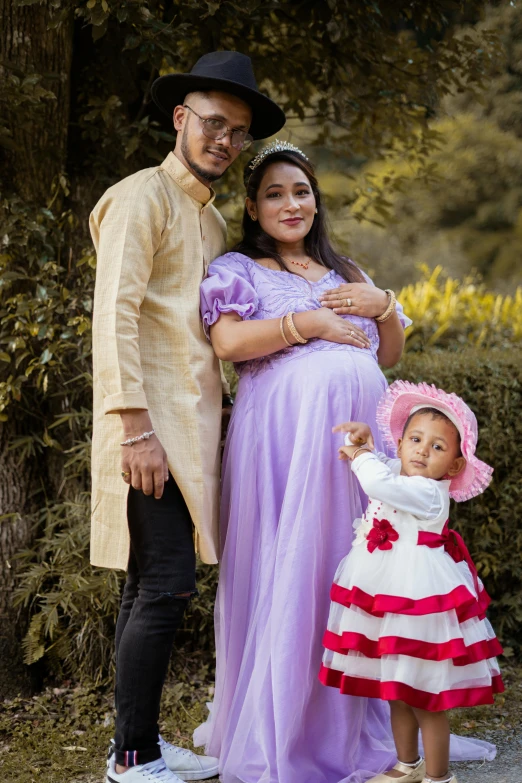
(307, 331)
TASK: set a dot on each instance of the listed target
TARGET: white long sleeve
(422, 497)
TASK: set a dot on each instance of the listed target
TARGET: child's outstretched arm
(416, 495)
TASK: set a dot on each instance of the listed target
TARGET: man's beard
(208, 176)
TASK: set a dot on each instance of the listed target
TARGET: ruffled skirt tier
(421, 637)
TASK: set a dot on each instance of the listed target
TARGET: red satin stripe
(454, 650)
(465, 603)
(392, 691)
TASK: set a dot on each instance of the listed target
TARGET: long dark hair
(256, 243)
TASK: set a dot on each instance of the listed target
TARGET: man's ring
(348, 302)
(124, 474)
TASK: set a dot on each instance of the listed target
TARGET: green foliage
(463, 210)
(372, 69)
(369, 72)
(501, 99)
(451, 313)
(461, 205)
(45, 305)
(74, 606)
(490, 381)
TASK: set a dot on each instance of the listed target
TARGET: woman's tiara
(275, 146)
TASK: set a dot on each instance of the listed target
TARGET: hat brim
(267, 117)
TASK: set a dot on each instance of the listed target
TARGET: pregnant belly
(291, 408)
(337, 373)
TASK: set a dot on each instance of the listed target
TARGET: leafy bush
(463, 209)
(74, 606)
(453, 313)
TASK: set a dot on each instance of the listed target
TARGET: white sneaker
(188, 765)
(153, 772)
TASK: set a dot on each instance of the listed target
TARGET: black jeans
(160, 580)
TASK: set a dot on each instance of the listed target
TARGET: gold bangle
(293, 331)
(358, 451)
(282, 329)
(390, 309)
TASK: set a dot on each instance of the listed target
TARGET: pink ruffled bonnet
(402, 398)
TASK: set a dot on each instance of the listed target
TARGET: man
(158, 392)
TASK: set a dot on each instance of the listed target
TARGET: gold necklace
(297, 263)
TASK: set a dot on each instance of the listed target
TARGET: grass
(62, 734)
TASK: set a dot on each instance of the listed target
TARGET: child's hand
(359, 432)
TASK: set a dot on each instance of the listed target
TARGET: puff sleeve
(226, 289)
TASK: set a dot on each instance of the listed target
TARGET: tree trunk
(16, 479)
(39, 134)
(35, 156)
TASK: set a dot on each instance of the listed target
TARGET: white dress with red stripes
(407, 619)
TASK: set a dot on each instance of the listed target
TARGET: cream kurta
(155, 233)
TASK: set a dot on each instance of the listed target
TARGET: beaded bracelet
(144, 436)
(391, 306)
(282, 330)
(293, 331)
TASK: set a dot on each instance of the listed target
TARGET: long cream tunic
(155, 233)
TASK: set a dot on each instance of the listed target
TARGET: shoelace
(173, 748)
(157, 771)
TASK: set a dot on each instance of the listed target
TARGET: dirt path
(505, 768)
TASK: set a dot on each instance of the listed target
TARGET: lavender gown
(287, 510)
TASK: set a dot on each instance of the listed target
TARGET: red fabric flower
(381, 535)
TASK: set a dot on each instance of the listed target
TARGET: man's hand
(359, 432)
(146, 461)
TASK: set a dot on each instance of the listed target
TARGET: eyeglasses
(217, 129)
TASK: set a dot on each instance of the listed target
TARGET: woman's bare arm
(391, 341)
(235, 340)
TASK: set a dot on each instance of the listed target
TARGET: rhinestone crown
(275, 146)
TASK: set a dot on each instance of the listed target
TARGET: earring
(253, 217)
(316, 210)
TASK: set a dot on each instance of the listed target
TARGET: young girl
(407, 621)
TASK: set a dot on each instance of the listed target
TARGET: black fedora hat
(230, 72)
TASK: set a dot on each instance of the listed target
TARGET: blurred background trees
(412, 112)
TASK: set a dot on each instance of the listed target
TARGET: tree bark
(39, 134)
(16, 479)
(36, 155)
